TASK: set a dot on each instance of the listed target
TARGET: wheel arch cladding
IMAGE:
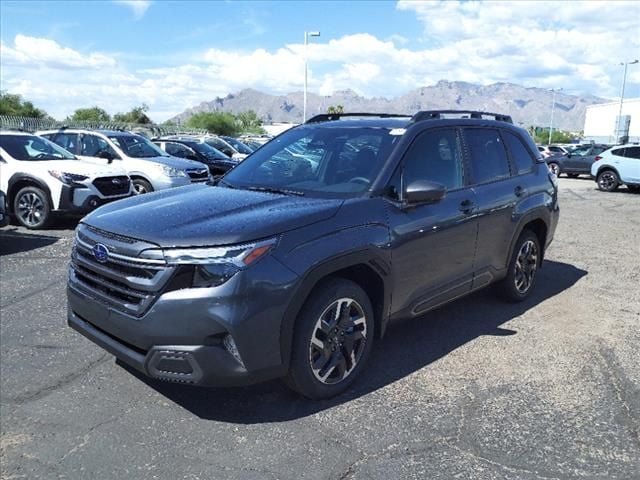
(539, 228)
(21, 180)
(369, 274)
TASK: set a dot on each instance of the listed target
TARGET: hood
(174, 162)
(83, 167)
(202, 215)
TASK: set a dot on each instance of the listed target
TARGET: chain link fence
(31, 125)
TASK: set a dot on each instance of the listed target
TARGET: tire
(141, 186)
(321, 364)
(573, 175)
(523, 268)
(555, 168)
(32, 208)
(608, 181)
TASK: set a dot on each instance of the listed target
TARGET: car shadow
(407, 347)
(13, 241)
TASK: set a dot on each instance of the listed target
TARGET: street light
(624, 80)
(304, 101)
(553, 104)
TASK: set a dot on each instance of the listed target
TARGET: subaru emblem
(101, 253)
(116, 181)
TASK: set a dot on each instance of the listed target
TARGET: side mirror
(106, 154)
(569, 154)
(424, 191)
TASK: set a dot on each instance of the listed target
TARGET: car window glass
(619, 152)
(68, 141)
(30, 147)
(519, 153)
(435, 156)
(598, 150)
(92, 146)
(488, 156)
(177, 150)
(633, 152)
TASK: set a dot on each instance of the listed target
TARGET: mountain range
(526, 105)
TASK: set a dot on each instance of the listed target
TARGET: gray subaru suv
(298, 259)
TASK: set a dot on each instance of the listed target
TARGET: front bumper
(180, 338)
(80, 200)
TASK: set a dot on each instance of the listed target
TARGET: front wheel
(141, 186)
(332, 339)
(523, 267)
(32, 208)
(554, 168)
(608, 181)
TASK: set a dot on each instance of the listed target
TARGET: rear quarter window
(520, 154)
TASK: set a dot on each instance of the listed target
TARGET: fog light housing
(230, 344)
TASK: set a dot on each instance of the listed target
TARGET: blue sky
(173, 55)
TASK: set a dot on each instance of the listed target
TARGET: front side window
(488, 155)
(32, 148)
(519, 153)
(137, 146)
(436, 156)
(177, 150)
(333, 161)
(93, 146)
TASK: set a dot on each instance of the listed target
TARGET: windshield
(137, 147)
(207, 150)
(33, 148)
(335, 161)
(238, 145)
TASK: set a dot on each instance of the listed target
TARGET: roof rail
(328, 117)
(436, 114)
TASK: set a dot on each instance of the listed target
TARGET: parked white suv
(149, 167)
(616, 166)
(41, 178)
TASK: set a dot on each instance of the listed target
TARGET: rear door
(499, 187)
(433, 244)
(630, 165)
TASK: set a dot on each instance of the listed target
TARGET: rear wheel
(141, 186)
(608, 181)
(332, 339)
(555, 168)
(32, 208)
(523, 268)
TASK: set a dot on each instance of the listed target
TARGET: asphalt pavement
(477, 389)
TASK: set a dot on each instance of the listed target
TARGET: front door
(433, 245)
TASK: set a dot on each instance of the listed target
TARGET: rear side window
(519, 153)
(632, 152)
(177, 150)
(488, 155)
(435, 156)
(619, 152)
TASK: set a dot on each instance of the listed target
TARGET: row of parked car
(73, 171)
(610, 166)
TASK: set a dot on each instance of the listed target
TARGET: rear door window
(488, 155)
(68, 141)
(632, 152)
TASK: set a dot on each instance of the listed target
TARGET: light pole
(553, 104)
(624, 80)
(304, 101)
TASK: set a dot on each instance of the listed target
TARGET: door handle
(520, 191)
(466, 206)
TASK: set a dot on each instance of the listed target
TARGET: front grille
(111, 186)
(127, 284)
(198, 174)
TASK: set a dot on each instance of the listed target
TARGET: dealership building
(601, 123)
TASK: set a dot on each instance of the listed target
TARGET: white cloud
(575, 45)
(138, 7)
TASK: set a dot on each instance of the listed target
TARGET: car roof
(16, 132)
(348, 122)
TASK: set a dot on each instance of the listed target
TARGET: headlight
(67, 178)
(171, 172)
(213, 266)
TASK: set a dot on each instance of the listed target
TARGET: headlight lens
(67, 178)
(172, 172)
(214, 266)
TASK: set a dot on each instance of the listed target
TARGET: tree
(136, 115)
(557, 136)
(335, 109)
(222, 123)
(249, 122)
(93, 114)
(11, 104)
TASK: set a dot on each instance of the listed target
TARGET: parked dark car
(4, 215)
(306, 251)
(217, 161)
(577, 162)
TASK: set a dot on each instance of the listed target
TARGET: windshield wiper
(283, 191)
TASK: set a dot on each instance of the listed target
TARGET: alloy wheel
(30, 209)
(526, 266)
(139, 189)
(607, 181)
(555, 169)
(338, 341)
